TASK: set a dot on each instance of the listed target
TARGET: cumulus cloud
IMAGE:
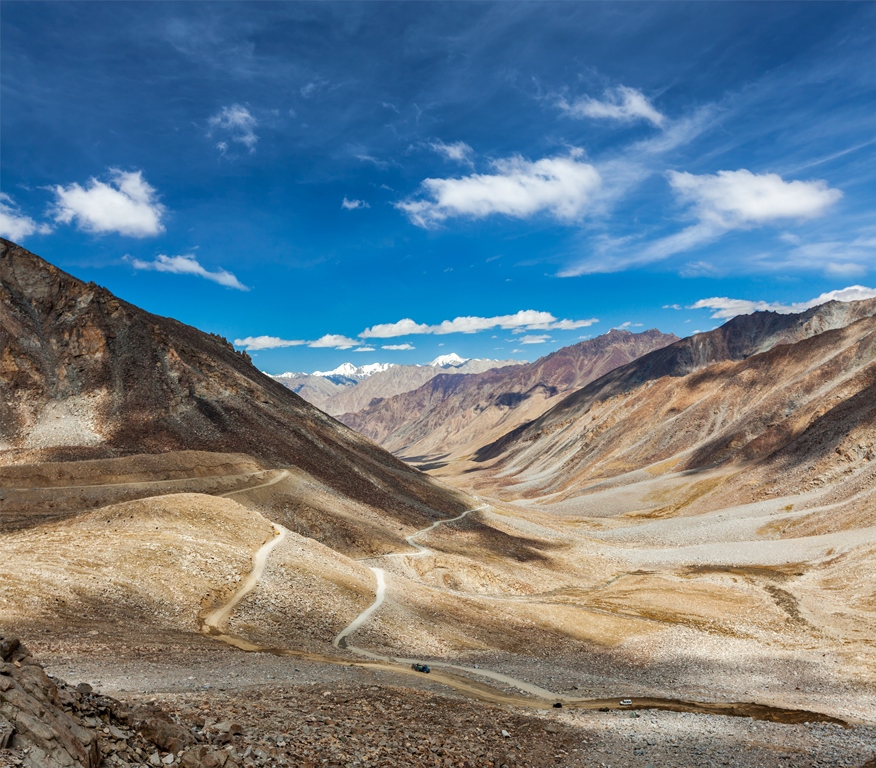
(724, 308)
(561, 186)
(238, 123)
(14, 225)
(398, 347)
(187, 265)
(528, 319)
(127, 205)
(458, 151)
(352, 205)
(539, 339)
(739, 199)
(255, 343)
(405, 327)
(621, 103)
(333, 341)
(329, 341)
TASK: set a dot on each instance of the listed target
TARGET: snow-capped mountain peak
(351, 371)
(448, 361)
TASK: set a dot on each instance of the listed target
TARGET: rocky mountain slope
(452, 415)
(785, 401)
(348, 388)
(400, 379)
(85, 375)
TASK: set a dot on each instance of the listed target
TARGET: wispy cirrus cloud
(457, 151)
(528, 319)
(622, 103)
(187, 265)
(126, 205)
(563, 187)
(237, 124)
(398, 347)
(352, 205)
(724, 308)
(15, 225)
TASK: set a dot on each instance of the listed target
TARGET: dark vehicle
(558, 705)
(420, 668)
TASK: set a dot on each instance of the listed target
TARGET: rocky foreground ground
(47, 723)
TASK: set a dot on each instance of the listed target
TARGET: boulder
(32, 709)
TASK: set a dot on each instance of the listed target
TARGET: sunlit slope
(796, 417)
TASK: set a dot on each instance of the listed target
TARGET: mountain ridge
(450, 413)
(88, 375)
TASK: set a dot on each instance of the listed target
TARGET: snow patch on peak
(355, 372)
(448, 361)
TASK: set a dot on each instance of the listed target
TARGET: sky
(381, 181)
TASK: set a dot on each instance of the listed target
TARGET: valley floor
(515, 607)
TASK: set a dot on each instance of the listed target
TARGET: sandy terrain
(514, 607)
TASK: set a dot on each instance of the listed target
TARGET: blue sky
(392, 181)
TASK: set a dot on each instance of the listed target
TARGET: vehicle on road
(420, 668)
(626, 702)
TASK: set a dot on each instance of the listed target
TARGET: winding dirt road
(537, 698)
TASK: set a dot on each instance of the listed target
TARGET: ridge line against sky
(296, 175)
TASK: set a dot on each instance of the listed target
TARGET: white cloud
(127, 205)
(398, 347)
(621, 103)
(364, 349)
(333, 341)
(539, 339)
(724, 308)
(848, 269)
(672, 306)
(739, 199)
(188, 265)
(352, 205)
(561, 186)
(628, 324)
(329, 341)
(563, 325)
(458, 151)
(256, 343)
(238, 122)
(721, 202)
(308, 89)
(14, 225)
(528, 319)
(405, 327)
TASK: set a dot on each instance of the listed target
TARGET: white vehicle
(626, 702)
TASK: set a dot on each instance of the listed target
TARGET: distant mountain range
(351, 388)
(451, 415)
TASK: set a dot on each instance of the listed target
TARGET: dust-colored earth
(714, 623)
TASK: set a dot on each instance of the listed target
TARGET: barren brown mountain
(85, 375)
(452, 415)
(760, 387)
